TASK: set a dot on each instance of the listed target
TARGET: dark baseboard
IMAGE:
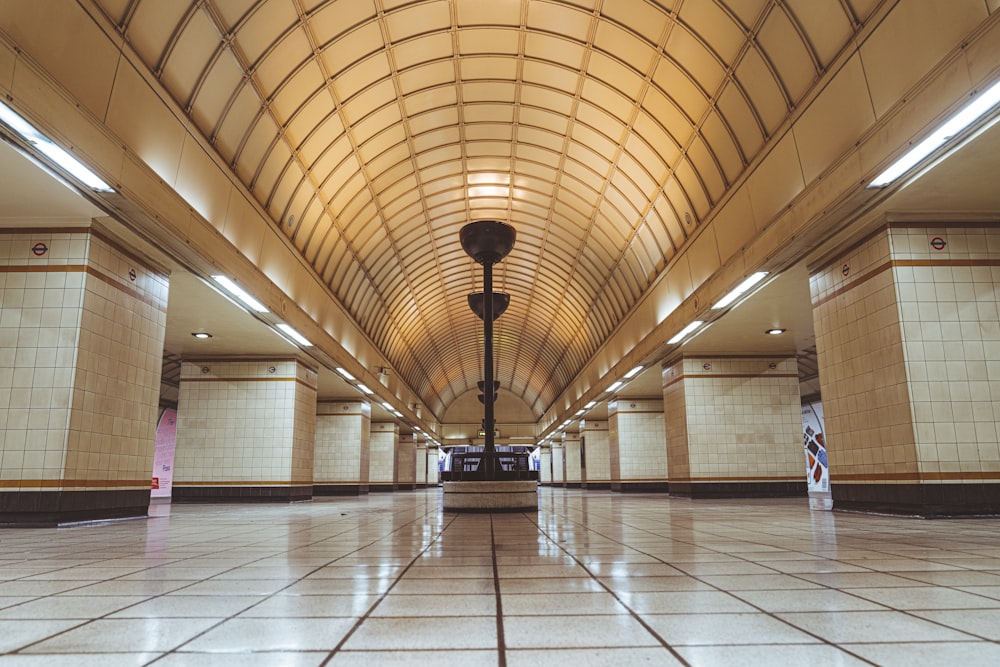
(640, 487)
(339, 489)
(720, 490)
(921, 500)
(47, 509)
(241, 494)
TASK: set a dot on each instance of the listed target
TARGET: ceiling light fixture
(347, 375)
(590, 405)
(238, 292)
(972, 112)
(387, 405)
(680, 335)
(775, 332)
(740, 290)
(201, 334)
(615, 385)
(365, 389)
(294, 335)
(59, 156)
(632, 373)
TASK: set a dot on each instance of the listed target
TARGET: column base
(50, 509)
(640, 487)
(340, 489)
(241, 494)
(513, 496)
(739, 489)
(919, 500)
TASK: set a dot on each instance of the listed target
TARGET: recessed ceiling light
(775, 332)
(201, 334)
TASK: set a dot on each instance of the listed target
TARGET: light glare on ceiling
(952, 127)
(740, 290)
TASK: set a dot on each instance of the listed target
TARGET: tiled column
(597, 458)
(571, 450)
(545, 466)
(342, 440)
(406, 463)
(734, 427)
(558, 463)
(636, 445)
(908, 338)
(246, 431)
(433, 473)
(421, 459)
(382, 475)
(81, 348)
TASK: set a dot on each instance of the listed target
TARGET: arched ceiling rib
(372, 130)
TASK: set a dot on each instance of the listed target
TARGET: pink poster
(163, 455)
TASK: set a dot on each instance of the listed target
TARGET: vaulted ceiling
(604, 132)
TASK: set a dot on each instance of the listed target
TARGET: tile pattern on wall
(342, 441)
(596, 453)
(909, 346)
(571, 452)
(406, 461)
(558, 463)
(742, 418)
(81, 345)
(545, 466)
(382, 452)
(866, 403)
(245, 421)
(636, 439)
(675, 421)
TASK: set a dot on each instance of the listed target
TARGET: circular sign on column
(131, 275)
(39, 249)
(938, 243)
(846, 270)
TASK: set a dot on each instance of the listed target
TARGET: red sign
(156, 482)
(39, 249)
(938, 243)
(846, 270)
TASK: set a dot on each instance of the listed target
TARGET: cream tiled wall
(432, 466)
(909, 349)
(558, 463)
(342, 440)
(245, 421)
(545, 466)
(382, 451)
(571, 451)
(597, 456)
(406, 461)
(81, 348)
(866, 402)
(421, 458)
(741, 417)
(636, 440)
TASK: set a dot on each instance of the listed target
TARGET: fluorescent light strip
(365, 389)
(294, 335)
(590, 405)
(238, 292)
(347, 375)
(953, 126)
(685, 331)
(615, 385)
(632, 373)
(387, 405)
(58, 155)
(740, 290)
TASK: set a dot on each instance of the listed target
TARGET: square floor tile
(657, 657)
(146, 635)
(720, 629)
(756, 656)
(851, 627)
(273, 634)
(575, 632)
(478, 632)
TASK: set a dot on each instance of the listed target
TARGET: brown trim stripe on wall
(251, 379)
(90, 271)
(245, 483)
(88, 483)
(913, 476)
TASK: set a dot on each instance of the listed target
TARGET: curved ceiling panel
(372, 130)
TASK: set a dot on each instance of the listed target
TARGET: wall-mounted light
(682, 334)
(294, 335)
(632, 373)
(46, 147)
(951, 128)
(201, 334)
(240, 294)
(740, 290)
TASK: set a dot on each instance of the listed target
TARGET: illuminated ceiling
(605, 132)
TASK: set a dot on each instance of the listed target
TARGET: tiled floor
(593, 579)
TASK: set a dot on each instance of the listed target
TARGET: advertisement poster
(817, 464)
(163, 455)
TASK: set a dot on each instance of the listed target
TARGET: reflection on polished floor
(594, 578)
